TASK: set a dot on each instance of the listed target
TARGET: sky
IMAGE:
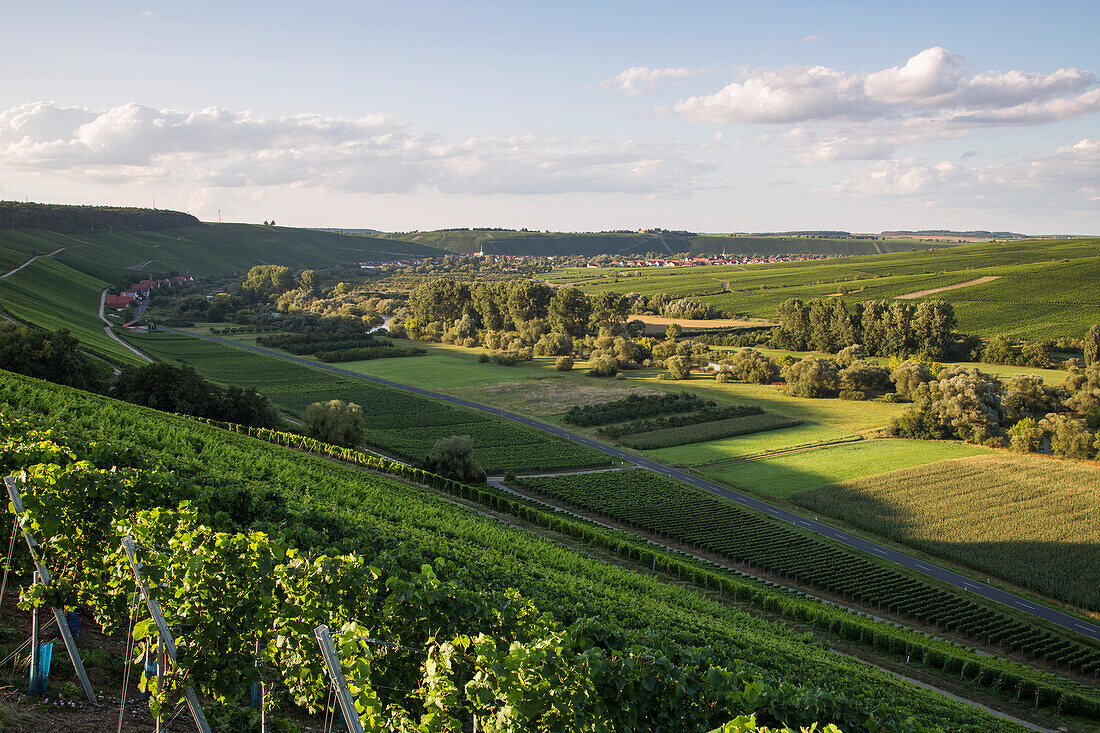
(561, 115)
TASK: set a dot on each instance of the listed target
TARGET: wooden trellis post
(168, 645)
(44, 577)
(336, 675)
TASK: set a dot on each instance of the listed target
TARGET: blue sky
(711, 116)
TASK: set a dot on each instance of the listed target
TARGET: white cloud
(643, 80)
(371, 154)
(815, 37)
(871, 115)
(1068, 178)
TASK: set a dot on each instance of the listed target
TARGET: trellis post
(44, 577)
(168, 645)
(336, 675)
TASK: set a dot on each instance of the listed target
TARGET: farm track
(9, 273)
(968, 283)
(961, 582)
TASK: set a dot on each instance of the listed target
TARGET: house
(118, 302)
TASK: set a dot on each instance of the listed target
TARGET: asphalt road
(962, 582)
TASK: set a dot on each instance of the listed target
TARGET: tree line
(883, 328)
(84, 219)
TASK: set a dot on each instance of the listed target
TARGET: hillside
(416, 566)
(88, 219)
(62, 286)
(505, 241)
(990, 284)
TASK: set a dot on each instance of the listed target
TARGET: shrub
(1069, 437)
(564, 363)
(867, 377)
(1026, 436)
(554, 344)
(749, 365)
(852, 394)
(453, 457)
(603, 365)
(334, 422)
(908, 376)
(722, 377)
(679, 367)
(850, 354)
(812, 377)
(484, 359)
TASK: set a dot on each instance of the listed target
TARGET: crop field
(1032, 520)
(1056, 280)
(658, 504)
(746, 446)
(49, 294)
(787, 473)
(484, 558)
(706, 431)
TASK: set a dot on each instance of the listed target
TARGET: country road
(961, 582)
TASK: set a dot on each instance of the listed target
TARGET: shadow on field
(1069, 571)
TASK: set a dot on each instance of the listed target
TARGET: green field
(46, 293)
(1054, 281)
(1032, 520)
(788, 473)
(745, 446)
(395, 421)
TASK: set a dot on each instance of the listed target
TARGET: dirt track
(930, 291)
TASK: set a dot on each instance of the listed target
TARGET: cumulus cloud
(1067, 177)
(643, 80)
(371, 154)
(933, 95)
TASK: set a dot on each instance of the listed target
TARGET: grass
(49, 294)
(1032, 520)
(745, 446)
(395, 421)
(782, 475)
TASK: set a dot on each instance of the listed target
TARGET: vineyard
(287, 540)
(694, 516)
(1055, 281)
(956, 510)
(395, 421)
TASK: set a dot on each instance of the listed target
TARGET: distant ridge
(975, 234)
(88, 219)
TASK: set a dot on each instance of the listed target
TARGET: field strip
(930, 291)
(783, 451)
(989, 592)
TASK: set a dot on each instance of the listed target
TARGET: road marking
(877, 551)
(923, 567)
